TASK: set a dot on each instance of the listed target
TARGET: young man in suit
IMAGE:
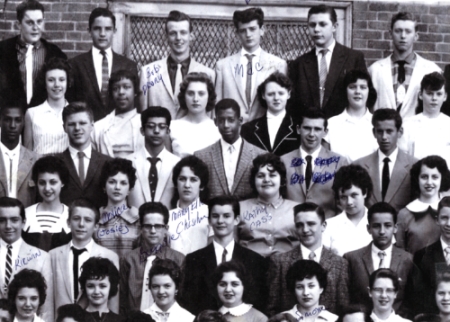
(22, 57)
(135, 266)
(318, 75)
(397, 78)
(229, 160)
(390, 178)
(197, 288)
(239, 75)
(67, 259)
(310, 224)
(16, 254)
(16, 161)
(310, 169)
(380, 253)
(161, 79)
(83, 162)
(91, 70)
(153, 160)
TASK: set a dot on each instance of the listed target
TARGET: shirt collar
(14, 151)
(17, 243)
(229, 247)
(377, 319)
(130, 114)
(314, 155)
(280, 116)
(96, 52)
(161, 154)
(306, 251)
(256, 53)
(23, 44)
(175, 306)
(226, 145)
(409, 59)
(392, 157)
(275, 204)
(173, 64)
(444, 244)
(376, 250)
(237, 310)
(88, 246)
(74, 152)
(330, 48)
(420, 206)
(366, 117)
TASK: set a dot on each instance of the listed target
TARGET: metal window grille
(214, 39)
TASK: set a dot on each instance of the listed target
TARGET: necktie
(382, 255)
(248, 84)
(163, 315)
(401, 71)
(447, 255)
(81, 173)
(178, 80)
(105, 78)
(153, 176)
(385, 177)
(11, 157)
(230, 172)
(147, 298)
(76, 269)
(323, 72)
(224, 255)
(29, 70)
(308, 172)
(8, 266)
(312, 256)
(401, 90)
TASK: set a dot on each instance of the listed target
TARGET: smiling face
(352, 200)
(433, 100)
(230, 290)
(307, 292)
(82, 224)
(102, 32)
(78, 127)
(163, 290)
(276, 97)
(404, 35)
(387, 135)
(117, 187)
(11, 224)
(49, 186)
(56, 83)
(31, 26)
(382, 228)
(250, 34)
(27, 303)
(222, 220)
(267, 182)
(443, 221)
(188, 185)
(123, 95)
(196, 97)
(178, 36)
(429, 182)
(357, 94)
(383, 294)
(309, 229)
(443, 297)
(311, 132)
(321, 29)
(97, 291)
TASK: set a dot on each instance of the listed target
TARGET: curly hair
(431, 161)
(114, 166)
(97, 268)
(73, 311)
(50, 164)
(52, 64)
(120, 75)
(202, 78)
(274, 161)
(275, 77)
(26, 278)
(165, 267)
(302, 269)
(352, 175)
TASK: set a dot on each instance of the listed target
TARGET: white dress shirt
(443, 244)
(13, 155)
(305, 252)
(327, 56)
(376, 259)
(392, 318)
(230, 159)
(256, 66)
(392, 158)
(87, 157)
(273, 125)
(218, 249)
(314, 155)
(237, 310)
(14, 254)
(176, 313)
(84, 256)
(98, 61)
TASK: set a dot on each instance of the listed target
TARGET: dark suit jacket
(398, 194)
(304, 73)
(446, 106)
(85, 86)
(212, 156)
(257, 133)
(335, 296)
(91, 188)
(360, 266)
(11, 85)
(197, 288)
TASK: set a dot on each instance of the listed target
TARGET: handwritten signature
(144, 253)
(239, 69)
(247, 1)
(153, 78)
(257, 216)
(116, 212)
(318, 177)
(186, 224)
(23, 261)
(316, 311)
(320, 162)
(119, 228)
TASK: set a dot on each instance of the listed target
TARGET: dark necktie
(8, 266)
(105, 78)
(248, 84)
(153, 176)
(385, 178)
(76, 254)
(401, 71)
(81, 173)
(224, 255)
(308, 172)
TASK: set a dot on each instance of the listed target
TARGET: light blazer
(230, 81)
(398, 194)
(335, 296)
(304, 73)
(164, 189)
(34, 258)
(63, 279)
(26, 189)
(85, 87)
(381, 74)
(360, 266)
(256, 132)
(161, 92)
(321, 192)
(212, 156)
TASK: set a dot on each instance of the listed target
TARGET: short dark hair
(28, 5)
(14, 105)
(120, 75)
(431, 161)
(247, 15)
(352, 77)
(116, 165)
(352, 175)
(177, 16)
(138, 316)
(433, 81)
(227, 103)
(427, 317)
(445, 202)
(52, 64)
(302, 269)
(403, 15)
(241, 272)
(443, 276)
(309, 206)
(384, 273)
(275, 77)
(313, 114)
(165, 267)
(277, 166)
(84, 203)
(381, 207)
(210, 316)
(322, 8)
(155, 111)
(73, 311)
(75, 108)
(7, 202)
(222, 201)
(51, 164)
(29, 278)
(97, 268)
(153, 207)
(101, 12)
(202, 78)
(387, 114)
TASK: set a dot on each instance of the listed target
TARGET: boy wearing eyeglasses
(153, 162)
(135, 266)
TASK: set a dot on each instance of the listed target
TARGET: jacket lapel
(92, 168)
(165, 77)
(238, 72)
(297, 254)
(3, 180)
(312, 71)
(163, 177)
(63, 260)
(373, 169)
(25, 166)
(90, 70)
(71, 166)
(262, 132)
(396, 259)
(367, 259)
(338, 59)
(286, 129)
(244, 160)
(216, 156)
(139, 159)
(399, 173)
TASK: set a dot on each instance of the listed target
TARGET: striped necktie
(8, 266)
(105, 78)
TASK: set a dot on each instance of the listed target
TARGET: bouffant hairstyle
(165, 267)
(97, 268)
(114, 166)
(352, 175)
(50, 164)
(432, 162)
(26, 278)
(202, 78)
(302, 269)
(275, 165)
(241, 272)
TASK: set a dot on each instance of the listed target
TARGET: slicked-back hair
(151, 208)
(384, 273)
(247, 15)
(75, 108)
(165, 267)
(51, 164)
(28, 278)
(322, 8)
(120, 75)
(445, 202)
(381, 207)
(307, 207)
(222, 201)
(7, 202)
(241, 272)
(352, 175)
(431, 161)
(275, 77)
(202, 78)
(274, 161)
(352, 77)
(116, 165)
(84, 203)
(101, 12)
(403, 15)
(155, 111)
(227, 103)
(177, 16)
(97, 268)
(73, 311)
(28, 5)
(313, 114)
(302, 269)
(387, 114)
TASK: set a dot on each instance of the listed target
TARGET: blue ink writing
(326, 162)
(257, 216)
(144, 253)
(153, 78)
(23, 261)
(247, 1)
(116, 212)
(297, 162)
(186, 224)
(239, 69)
(120, 229)
(318, 177)
(297, 178)
(314, 312)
